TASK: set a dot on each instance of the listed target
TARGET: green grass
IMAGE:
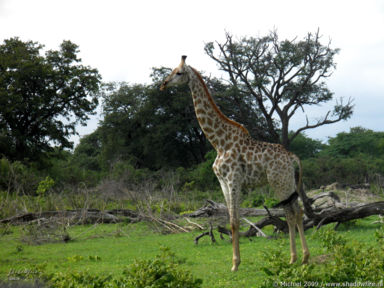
(108, 249)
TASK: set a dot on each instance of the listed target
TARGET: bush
(17, 178)
(202, 177)
(163, 271)
(345, 262)
(80, 280)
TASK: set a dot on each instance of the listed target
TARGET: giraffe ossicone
(241, 160)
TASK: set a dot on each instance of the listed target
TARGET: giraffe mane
(212, 102)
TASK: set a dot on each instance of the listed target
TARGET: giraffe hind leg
(291, 220)
(300, 227)
(295, 219)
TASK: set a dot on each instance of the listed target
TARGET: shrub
(80, 280)
(163, 271)
(202, 177)
(345, 262)
(44, 186)
(17, 178)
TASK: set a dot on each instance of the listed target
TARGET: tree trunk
(284, 132)
(315, 217)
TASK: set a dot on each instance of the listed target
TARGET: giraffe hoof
(293, 259)
(305, 259)
(234, 268)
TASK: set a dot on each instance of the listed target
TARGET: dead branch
(194, 223)
(218, 209)
(316, 217)
(259, 231)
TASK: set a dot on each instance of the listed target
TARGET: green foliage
(305, 147)
(350, 158)
(80, 279)
(343, 262)
(202, 176)
(270, 202)
(254, 200)
(330, 239)
(359, 141)
(42, 98)
(259, 197)
(150, 128)
(44, 186)
(87, 153)
(16, 177)
(379, 235)
(154, 129)
(163, 271)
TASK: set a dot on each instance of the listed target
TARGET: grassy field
(109, 248)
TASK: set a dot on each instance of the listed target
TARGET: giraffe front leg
(235, 244)
(230, 182)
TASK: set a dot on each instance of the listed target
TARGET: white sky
(124, 39)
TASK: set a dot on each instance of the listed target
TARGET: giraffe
(242, 160)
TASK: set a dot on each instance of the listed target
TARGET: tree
(306, 147)
(283, 77)
(155, 129)
(42, 98)
(239, 107)
(87, 153)
(357, 142)
(149, 128)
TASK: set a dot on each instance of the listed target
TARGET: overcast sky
(125, 39)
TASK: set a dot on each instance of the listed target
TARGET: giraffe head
(177, 77)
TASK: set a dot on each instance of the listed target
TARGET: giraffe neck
(220, 131)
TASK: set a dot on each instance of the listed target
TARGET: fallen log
(218, 209)
(81, 216)
(341, 215)
(333, 214)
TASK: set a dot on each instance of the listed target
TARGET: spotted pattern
(242, 160)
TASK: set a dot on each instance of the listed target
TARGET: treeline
(149, 130)
(146, 133)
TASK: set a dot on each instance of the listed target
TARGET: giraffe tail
(299, 185)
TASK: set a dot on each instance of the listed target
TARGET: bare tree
(282, 76)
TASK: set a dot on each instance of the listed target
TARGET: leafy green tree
(358, 141)
(283, 77)
(149, 128)
(155, 129)
(306, 147)
(353, 157)
(87, 152)
(42, 98)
